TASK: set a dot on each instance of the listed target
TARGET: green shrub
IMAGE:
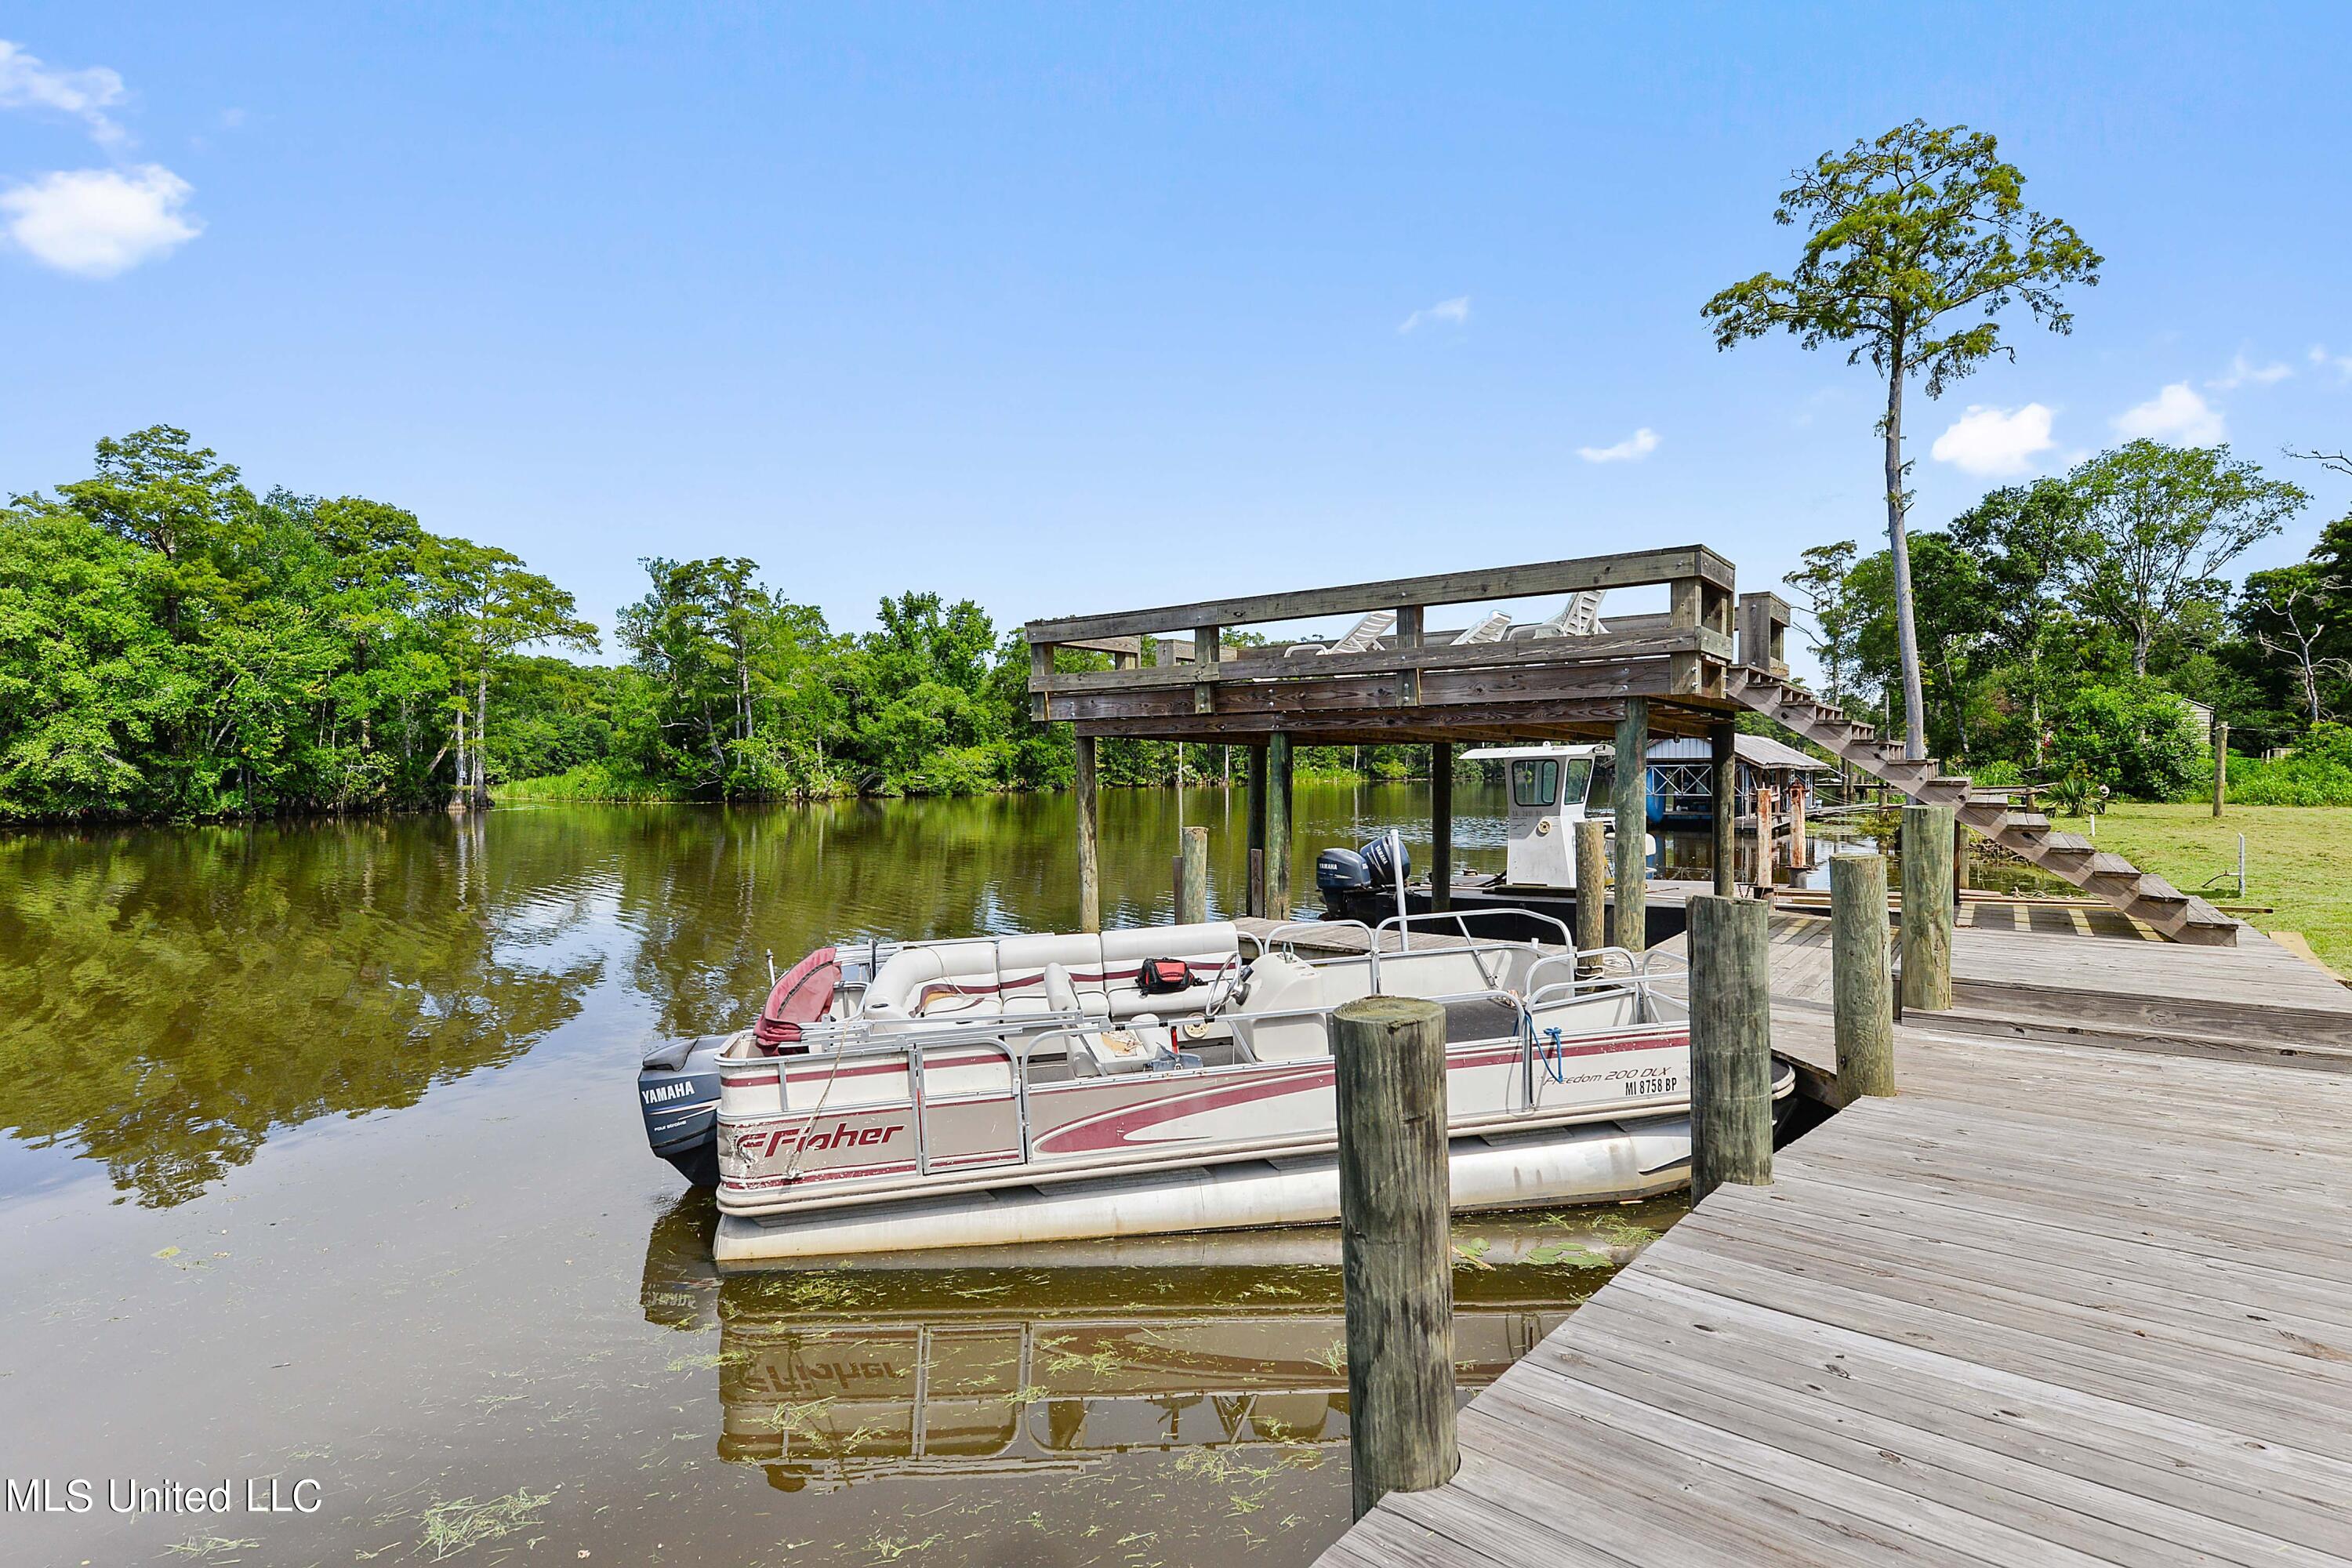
(2137, 741)
(2296, 780)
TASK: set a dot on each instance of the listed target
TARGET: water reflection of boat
(827, 1379)
(1039, 1090)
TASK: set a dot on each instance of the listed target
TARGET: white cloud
(99, 222)
(1991, 442)
(1633, 449)
(2340, 363)
(2242, 373)
(2177, 415)
(27, 83)
(1455, 311)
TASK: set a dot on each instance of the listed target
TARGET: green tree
(486, 606)
(1822, 593)
(2296, 615)
(2025, 540)
(2161, 523)
(1903, 232)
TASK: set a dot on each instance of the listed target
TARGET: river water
(322, 1166)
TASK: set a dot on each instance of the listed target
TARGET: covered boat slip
(1393, 678)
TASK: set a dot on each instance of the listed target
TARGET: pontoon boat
(1053, 1088)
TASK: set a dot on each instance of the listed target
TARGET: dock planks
(2074, 1300)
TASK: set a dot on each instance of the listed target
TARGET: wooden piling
(1591, 885)
(1730, 1043)
(1396, 1258)
(1090, 835)
(1277, 827)
(1441, 826)
(1862, 1006)
(1257, 830)
(1927, 908)
(1723, 780)
(1963, 860)
(2220, 766)
(1631, 798)
(1192, 884)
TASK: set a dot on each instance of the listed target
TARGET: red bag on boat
(801, 996)
(1161, 975)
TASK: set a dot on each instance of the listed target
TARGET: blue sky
(1069, 309)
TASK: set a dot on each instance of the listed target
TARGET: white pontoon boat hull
(1597, 1163)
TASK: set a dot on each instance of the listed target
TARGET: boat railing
(1473, 945)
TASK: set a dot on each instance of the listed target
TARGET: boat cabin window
(1541, 782)
(1534, 782)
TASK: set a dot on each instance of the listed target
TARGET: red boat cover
(801, 996)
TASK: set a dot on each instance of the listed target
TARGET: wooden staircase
(2142, 895)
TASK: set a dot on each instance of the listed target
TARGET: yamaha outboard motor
(1387, 861)
(677, 1094)
(1340, 871)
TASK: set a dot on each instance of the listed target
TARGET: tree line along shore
(175, 644)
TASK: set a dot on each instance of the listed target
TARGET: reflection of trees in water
(169, 998)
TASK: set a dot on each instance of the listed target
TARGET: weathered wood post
(1723, 782)
(1927, 908)
(1396, 1254)
(1089, 831)
(1766, 855)
(1192, 886)
(1862, 1006)
(1441, 826)
(1963, 865)
(1257, 830)
(1277, 827)
(1631, 798)
(2220, 766)
(1800, 856)
(1591, 885)
(1730, 1043)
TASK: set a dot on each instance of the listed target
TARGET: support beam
(1723, 780)
(1395, 1248)
(1927, 908)
(1277, 827)
(1089, 839)
(1441, 826)
(1863, 1005)
(1591, 885)
(1257, 831)
(1193, 879)
(1730, 1043)
(1632, 799)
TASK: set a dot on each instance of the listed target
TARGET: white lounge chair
(1361, 639)
(1579, 618)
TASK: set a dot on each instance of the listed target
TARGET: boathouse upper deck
(1395, 679)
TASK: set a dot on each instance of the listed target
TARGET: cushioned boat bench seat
(1034, 976)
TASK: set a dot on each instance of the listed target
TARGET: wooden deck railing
(1682, 654)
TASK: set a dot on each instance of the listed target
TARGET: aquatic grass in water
(456, 1527)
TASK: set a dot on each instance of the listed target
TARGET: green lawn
(2298, 860)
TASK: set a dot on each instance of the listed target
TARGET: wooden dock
(2081, 1295)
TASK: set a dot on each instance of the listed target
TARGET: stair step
(2066, 845)
(2200, 913)
(2155, 890)
(2031, 823)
